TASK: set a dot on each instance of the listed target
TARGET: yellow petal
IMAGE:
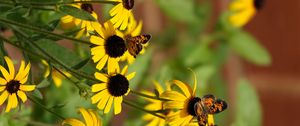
(87, 117)
(108, 106)
(103, 101)
(173, 95)
(158, 87)
(113, 66)
(2, 88)
(3, 97)
(130, 76)
(98, 29)
(22, 96)
(210, 120)
(137, 30)
(97, 40)
(184, 87)
(118, 105)
(15, 100)
(2, 81)
(98, 87)
(56, 79)
(73, 122)
(124, 70)
(23, 73)
(97, 97)
(5, 73)
(102, 62)
(27, 87)
(173, 105)
(100, 76)
(11, 67)
(22, 67)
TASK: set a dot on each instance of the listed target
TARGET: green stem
(22, 48)
(148, 96)
(36, 29)
(45, 108)
(142, 109)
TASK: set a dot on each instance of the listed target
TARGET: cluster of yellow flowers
(117, 40)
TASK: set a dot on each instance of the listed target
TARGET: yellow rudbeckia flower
(242, 11)
(183, 101)
(91, 118)
(56, 75)
(12, 86)
(155, 105)
(110, 93)
(109, 47)
(133, 29)
(69, 21)
(121, 12)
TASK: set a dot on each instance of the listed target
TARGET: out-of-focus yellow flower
(91, 118)
(242, 11)
(121, 12)
(56, 75)
(155, 105)
(109, 47)
(110, 93)
(69, 21)
(12, 86)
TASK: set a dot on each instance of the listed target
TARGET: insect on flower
(135, 44)
(208, 105)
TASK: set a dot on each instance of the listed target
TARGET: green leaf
(75, 12)
(179, 10)
(37, 94)
(43, 84)
(248, 111)
(81, 64)
(247, 47)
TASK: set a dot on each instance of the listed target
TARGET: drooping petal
(5, 73)
(97, 97)
(3, 97)
(22, 96)
(102, 62)
(118, 105)
(2, 81)
(108, 105)
(113, 66)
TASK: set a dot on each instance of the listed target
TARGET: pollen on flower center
(13, 86)
(191, 104)
(87, 7)
(118, 85)
(128, 4)
(258, 4)
(115, 46)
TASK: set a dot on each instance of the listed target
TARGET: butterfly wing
(201, 114)
(134, 44)
(213, 105)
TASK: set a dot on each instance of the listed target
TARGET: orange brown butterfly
(208, 105)
(135, 44)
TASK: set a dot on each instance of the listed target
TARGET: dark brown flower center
(258, 4)
(87, 8)
(13, 86)
(115, 46)
(191, 105)
(118, 85)
(128, 4)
